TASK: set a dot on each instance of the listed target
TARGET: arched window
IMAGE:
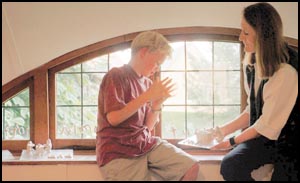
(205, 65)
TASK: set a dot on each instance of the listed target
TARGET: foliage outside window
(77, 90)
(16, 117)
(206, 73)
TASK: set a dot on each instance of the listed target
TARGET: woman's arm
(241, 122)
(249, 133)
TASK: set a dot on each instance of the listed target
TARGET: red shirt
(131, 138)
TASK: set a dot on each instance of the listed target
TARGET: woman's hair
(270, 50)
(152, 40)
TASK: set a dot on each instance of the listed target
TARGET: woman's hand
(224, 145)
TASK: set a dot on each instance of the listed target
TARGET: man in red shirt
(129, 105)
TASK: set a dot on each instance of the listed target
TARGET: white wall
(208, 171)
(80, 172)
(35, 33)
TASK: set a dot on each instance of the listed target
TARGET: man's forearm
(117, 117)
(152, 119)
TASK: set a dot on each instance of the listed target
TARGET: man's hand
(159, 91)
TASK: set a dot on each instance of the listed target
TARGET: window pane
(16, 117)
(91, 84)
(68, 89)
(119, 58)
(199, 88)
(199, 117)
(75, 68)
(176, 62)
(179, 92)
(77, 99)
(224, 114)
(21, 99)
(199, 55)
(17, 124)
(227, 56)
(98, 64)
(227, 87)
(89, 122)
(68, 123)
(173, 122)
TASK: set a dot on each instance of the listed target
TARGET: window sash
(158, 127)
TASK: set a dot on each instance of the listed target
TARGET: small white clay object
(29, 147)
(40, 149)
(48, 146)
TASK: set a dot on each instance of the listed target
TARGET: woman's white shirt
(279, 96)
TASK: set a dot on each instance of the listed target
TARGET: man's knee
(192, 173)
(194, 170)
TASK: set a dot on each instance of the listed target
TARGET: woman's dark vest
(289, 137)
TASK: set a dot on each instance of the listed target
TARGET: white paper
(192, 142)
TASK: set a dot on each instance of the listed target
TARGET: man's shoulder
(115, 72)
